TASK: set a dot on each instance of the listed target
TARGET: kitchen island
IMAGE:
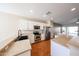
(65, 46)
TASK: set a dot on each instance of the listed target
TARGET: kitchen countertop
(7, 42)
(18, 47)
(74, 42)
(70, 46)
(62, 39)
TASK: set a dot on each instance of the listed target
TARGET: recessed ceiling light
(73, 9)
(31, 11)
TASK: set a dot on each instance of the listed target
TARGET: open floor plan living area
(39, 29)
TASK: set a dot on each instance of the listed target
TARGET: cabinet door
(27, 53)
(59, 50)
(31, 38)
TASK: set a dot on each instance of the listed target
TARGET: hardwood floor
(41, 48)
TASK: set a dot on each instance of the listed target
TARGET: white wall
(25, 24)
(8, 25)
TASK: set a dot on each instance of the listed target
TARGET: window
(64, 30)
(58, 30)
(73, 31)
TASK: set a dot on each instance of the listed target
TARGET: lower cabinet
(59, 50)
(26, 53)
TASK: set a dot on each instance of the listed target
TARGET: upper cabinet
(29, 25)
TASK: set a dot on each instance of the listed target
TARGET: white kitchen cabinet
(59, 50)
(31, 38)
(42, 36)
(26, 53)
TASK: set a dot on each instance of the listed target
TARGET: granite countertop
(18, 47)
(62, 39)
(74, 42)
(7, 42)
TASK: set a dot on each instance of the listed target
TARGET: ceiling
(58, 12)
